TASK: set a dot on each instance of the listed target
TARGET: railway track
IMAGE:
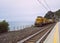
(38, 37)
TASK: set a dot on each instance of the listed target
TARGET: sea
(17, 25)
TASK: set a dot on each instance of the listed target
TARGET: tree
(4, 26)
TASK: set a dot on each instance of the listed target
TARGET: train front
(39, 21)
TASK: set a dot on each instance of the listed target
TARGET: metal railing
(15, 28)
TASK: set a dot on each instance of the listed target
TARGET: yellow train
(40, 21)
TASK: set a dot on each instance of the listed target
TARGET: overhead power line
(47, 5)
(42, 4)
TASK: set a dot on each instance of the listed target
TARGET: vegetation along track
(40, 36)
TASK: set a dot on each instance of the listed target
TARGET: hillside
(55, 15)
(58, 13)
(49, 14)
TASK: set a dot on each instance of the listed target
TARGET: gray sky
(25, 10)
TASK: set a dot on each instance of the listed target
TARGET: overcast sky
(26, 10)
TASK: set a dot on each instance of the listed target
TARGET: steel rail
(32, 35)
(39, 41)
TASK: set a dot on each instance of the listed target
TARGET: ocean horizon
(17, 25)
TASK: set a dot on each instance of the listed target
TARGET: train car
(51, 21)
(45, 21)
(39, 21)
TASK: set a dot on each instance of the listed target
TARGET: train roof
(39, 17)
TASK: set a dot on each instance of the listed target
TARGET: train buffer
(49, 34)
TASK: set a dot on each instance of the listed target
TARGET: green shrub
(4, 26)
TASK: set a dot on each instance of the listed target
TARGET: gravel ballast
(14, 36)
